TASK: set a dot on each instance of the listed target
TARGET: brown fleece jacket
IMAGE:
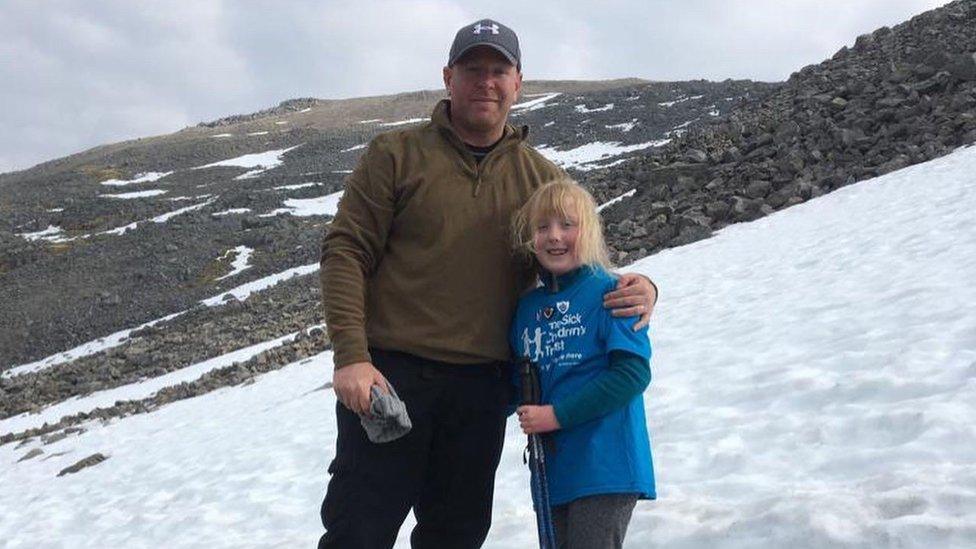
(419, 257)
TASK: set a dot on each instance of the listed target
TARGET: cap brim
(508, 55)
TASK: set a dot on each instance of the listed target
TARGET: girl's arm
(626, 377)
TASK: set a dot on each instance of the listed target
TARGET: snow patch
(535, 104)
(623, 126)
(136, 194)
(231, 212)
(582, 108)
(241, 261)
(583, 157)
(265, 160)
(355, 148)
(244, 291)
(296, 186)
(147, 177)
(404, 122)
(305, 207)
(609, 203)
(680, 100)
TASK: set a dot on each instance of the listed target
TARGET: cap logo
(482, 27)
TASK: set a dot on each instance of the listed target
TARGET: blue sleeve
(618, 334)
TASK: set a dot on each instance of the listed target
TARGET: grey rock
(963, 67)
(89, 461)
(758, 189)
(31, 454)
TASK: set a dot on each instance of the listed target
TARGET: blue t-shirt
(569, 335)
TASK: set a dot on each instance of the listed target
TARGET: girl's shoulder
(598, 276)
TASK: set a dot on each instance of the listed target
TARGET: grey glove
(388, 419)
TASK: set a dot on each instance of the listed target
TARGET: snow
(244, 291)
(264, 160)
(258, 133)
(55, 210)
(55, 234)
(51, 233)
(583, 157)
(534, 104)
(296, 186)
(355, 148)
(405, 122)
(146, 177)
(240, 293)
(251, 174)
(342, 171)
(136, 194)
(163, 218)
(223, 135)
(371, 121)
(241, 261)
(85, 349)
(231, 211)
(138, 390)
(281, 122)
(680, 100)
(623, 126)
(609, 203)
(304, 207)
(582, 108)
(814, 386)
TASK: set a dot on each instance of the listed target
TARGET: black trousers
(444, 468)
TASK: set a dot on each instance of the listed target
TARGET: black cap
(486, 32)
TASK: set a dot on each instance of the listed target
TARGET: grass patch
(102, 173)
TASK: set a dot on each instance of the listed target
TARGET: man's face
(482, 85)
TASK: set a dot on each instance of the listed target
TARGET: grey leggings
(593, 522)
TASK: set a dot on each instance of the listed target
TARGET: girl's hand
(537, 419)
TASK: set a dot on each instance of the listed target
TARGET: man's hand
(352, 383)
(537, 419)
(635, 295)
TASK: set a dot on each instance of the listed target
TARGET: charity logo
(562, 306)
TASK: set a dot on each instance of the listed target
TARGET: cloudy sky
(76, 74)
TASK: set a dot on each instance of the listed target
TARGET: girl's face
(555, 243)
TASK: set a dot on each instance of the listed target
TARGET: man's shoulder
(400, 137)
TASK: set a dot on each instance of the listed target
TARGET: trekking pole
(532, 394)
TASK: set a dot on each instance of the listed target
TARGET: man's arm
(351, 250)
(635, 295)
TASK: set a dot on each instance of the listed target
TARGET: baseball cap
(486, 32)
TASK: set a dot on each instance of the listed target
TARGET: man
(419, 285)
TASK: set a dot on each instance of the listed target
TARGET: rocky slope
(896, 97)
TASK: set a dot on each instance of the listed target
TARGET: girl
(592, 369)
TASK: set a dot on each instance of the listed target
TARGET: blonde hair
(567, 199)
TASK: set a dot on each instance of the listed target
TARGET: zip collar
(441, 119)
(558, 283)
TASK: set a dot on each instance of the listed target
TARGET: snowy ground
(814, 386)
